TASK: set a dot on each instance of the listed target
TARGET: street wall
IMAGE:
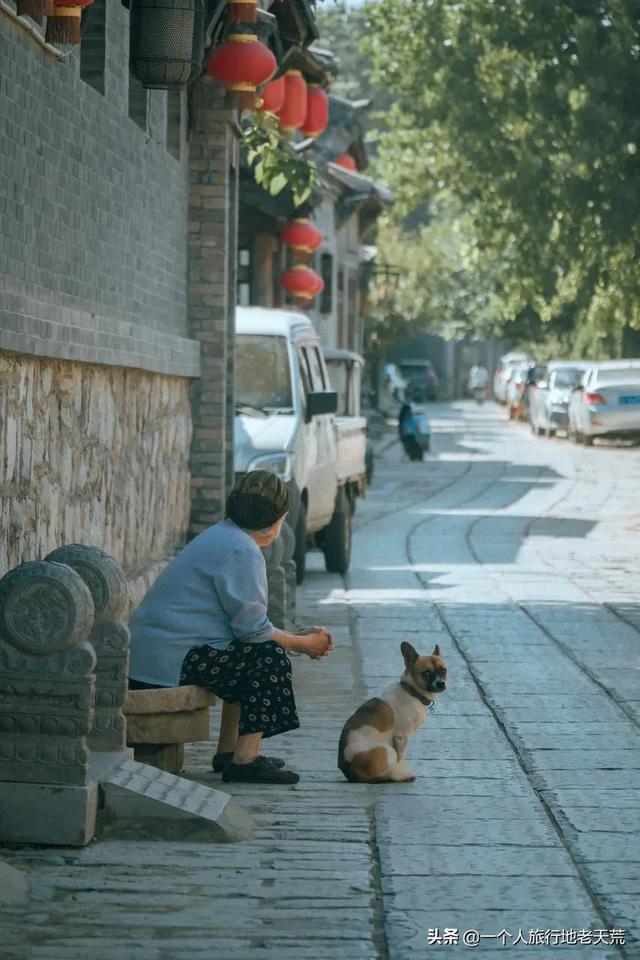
(97, 357)
(96, 455)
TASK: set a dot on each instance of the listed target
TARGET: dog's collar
(416, 693)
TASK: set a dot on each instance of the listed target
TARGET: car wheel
(587, 440)
(548, 431)
(300, 552)
(337, 536)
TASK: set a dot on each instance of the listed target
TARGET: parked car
(285, 422)
(392, 390)
(606, 403)
(550, 395)
(422, 380)
(345, 374)
(506, 367)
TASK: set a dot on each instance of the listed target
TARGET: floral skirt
(255, 675)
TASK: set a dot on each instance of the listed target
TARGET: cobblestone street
(519, 556)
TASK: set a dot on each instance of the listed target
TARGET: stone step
(143, 802)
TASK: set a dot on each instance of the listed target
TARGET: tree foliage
(518, 124)
(274, 163)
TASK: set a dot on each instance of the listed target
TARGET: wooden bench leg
(165, 756)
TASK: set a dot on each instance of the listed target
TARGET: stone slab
(140, 801)
(14, 886)
(40, 813)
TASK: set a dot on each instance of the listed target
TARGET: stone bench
(161, 720)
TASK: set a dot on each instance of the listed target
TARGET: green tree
(526, 117)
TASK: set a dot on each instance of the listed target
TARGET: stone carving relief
(109, 637)
(47, 684)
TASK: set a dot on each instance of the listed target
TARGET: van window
(316, 373)
(262, 372)
(339, 379)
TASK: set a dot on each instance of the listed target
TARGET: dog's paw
(408, 779)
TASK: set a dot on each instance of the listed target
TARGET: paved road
(520, 557)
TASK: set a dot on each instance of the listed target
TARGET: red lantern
(272, 97)
(242, 64)
(317, 118)
(64, 25)
(34, 8)
(302, 282)
(294, 109)
(242, 11)
(346, 160)
(302, 236)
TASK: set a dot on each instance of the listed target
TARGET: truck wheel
(300, 552)
(337, 536)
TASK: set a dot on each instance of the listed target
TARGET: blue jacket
(214, 591)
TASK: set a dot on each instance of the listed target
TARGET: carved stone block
(43, 813)
(110, 638)
(47, 684)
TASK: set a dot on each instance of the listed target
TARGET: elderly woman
(204, 622)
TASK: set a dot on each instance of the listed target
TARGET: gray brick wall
(93, 209)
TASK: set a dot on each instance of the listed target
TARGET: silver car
(607, 402)
(549, 398)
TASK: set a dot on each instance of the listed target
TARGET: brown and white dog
(374, 740)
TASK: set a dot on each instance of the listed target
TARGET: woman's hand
(317, 643)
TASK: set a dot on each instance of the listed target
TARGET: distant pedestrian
(204, 622)
(478, 382)
(408, 432)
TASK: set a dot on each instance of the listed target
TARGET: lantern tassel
(241, 100)
(242, 11)
(34, 8)
(65, 26)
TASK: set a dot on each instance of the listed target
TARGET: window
(314, 368)
(244, 277)
(262, 372)
(92, 48)
(326, 272)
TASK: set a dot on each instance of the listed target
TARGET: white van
(285, 422)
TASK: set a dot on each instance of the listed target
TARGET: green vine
(274, 163)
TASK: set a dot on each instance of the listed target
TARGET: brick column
(211, 297)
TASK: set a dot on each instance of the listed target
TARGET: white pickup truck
(285, 422)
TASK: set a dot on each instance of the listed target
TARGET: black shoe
(221, 761)
(259, 770)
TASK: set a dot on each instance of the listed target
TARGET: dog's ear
(436, 652)
(410, 655)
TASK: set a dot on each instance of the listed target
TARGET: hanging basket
(64, 25)
(167, 42)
